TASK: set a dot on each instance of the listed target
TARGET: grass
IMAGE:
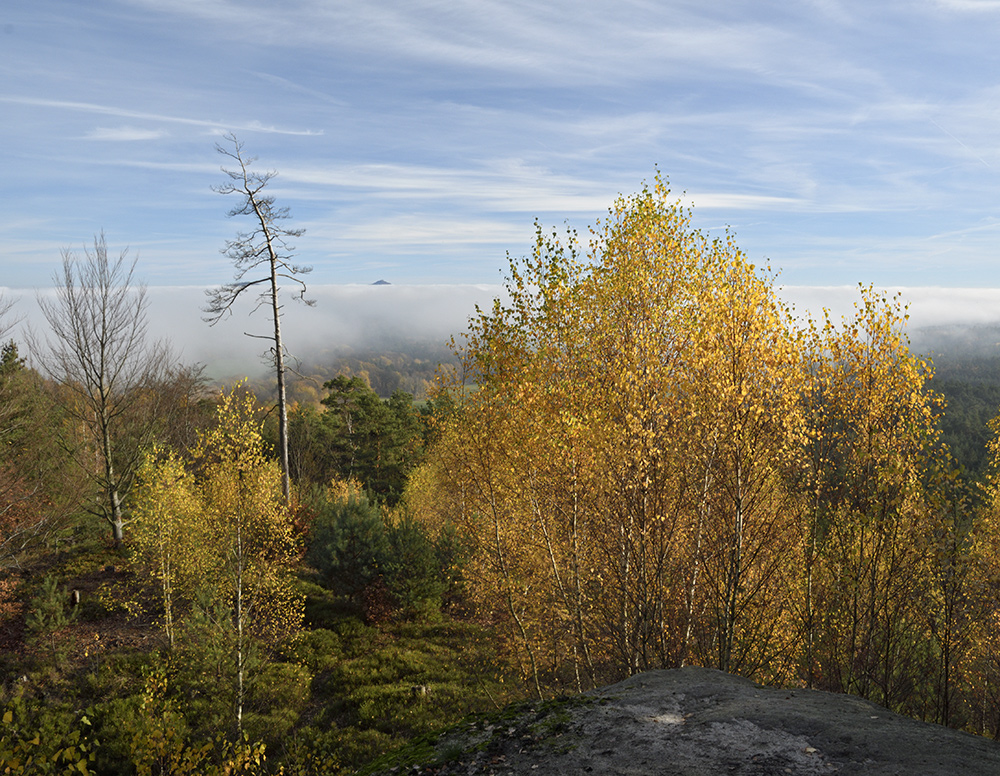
(377, 689)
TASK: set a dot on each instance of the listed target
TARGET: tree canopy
(659, 465)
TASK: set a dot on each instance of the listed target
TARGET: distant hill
(957, 341)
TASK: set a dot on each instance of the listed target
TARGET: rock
(701, 722)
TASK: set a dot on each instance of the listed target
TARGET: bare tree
(265, 248)
(110, 374)
(6, 324)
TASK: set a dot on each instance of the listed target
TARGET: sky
(417, 141)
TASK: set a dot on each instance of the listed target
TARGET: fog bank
(393, 317)
(353, 317)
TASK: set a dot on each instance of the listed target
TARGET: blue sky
(844, 142)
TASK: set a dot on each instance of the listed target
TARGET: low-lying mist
(422, 318)
(348, 318)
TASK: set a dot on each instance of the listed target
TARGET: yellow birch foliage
(221, 539)
(170, 533)
(872, 436)
(658, 466)
(217, 525)
(641, 306)
(251, 537)
(746, 379)
(617, 452)
(979, 678)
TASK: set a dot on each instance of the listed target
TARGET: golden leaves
(218, 525)
(621, 398)
(659, 465)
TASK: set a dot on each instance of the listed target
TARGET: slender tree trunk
(240, 657)
(111, 486)
(250, 251)
(704, 510)
(168, 600)
(811, 549)
(279, 365)
(509, 595)
(735, 574)
(578, 585)
(703, 513)
(279, 357)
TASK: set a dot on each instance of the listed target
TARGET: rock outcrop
(701, 722)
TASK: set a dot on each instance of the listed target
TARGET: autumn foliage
(660, 465)
(643, 460)
(218, 540)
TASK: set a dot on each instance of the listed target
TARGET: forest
(638, 459)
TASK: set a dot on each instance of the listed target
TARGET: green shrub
(49, 614)
(378, 567)
(279, 695)
(44, 739)
(412, 570)
(348, 544)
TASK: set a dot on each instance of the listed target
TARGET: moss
(419, 750)
(530, 723)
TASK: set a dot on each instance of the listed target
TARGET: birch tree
(619, 459)
(220, 545)
(252, 540)
(873, 437)
(171, 534)
(263, 260)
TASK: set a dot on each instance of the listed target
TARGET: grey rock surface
(701, 722)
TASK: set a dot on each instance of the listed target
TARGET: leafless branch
(98, 351)
(267, 249)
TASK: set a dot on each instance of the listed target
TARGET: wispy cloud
(501, 185)
(508, 186)
(970, 5)
(111, 110)
(842, 140)
(124, 134)
(744, 202)
(429, 230)
(552, 43)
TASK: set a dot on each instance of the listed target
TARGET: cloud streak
(426, 137)
(110, 110)
(126, 134)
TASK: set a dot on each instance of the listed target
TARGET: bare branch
(265, 248)
(99, 353)
(7, 322)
